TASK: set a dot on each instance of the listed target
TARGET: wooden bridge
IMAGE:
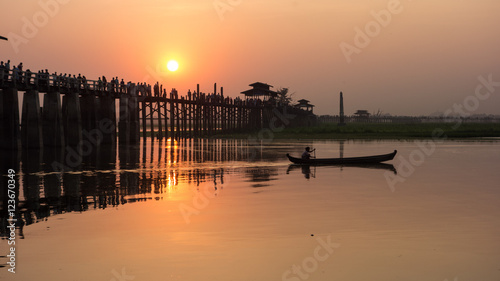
(77, 110)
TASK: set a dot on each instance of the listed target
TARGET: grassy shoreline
(383, 131)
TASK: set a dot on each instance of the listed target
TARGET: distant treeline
(410, 119)
(359, 130)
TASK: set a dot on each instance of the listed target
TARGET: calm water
(234, 210)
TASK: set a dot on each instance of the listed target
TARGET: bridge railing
(26, 80)
(44, 81)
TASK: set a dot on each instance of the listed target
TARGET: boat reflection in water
(308, 173)
(55, 181)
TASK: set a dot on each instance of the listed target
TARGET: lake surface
(237, 210)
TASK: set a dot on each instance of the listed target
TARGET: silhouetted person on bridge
(2, 70)
(122, 86)
(104, 83)
(27, 77)
(80, 81)
(15, 75)
(114, 83)
(156, 90)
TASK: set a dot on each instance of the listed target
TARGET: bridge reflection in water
(55, 181)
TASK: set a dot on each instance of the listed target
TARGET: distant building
(260, 91)
(305, 105)
(362, 114)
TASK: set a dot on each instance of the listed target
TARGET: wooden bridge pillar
(191, 116)
(227, 118)
(2, 119)
(31, 121)
(240, 117)
(123, 123)
(107, 119)
(151, 120)
(183, 118)
(53, 132)
(233, 116)
(197, 111)
(267, 114)
(144, 129)
(133, 108)
(89, 110)
(160, 123)
(10, 137)
(72, 119)
(165, 119)
(195, 117)
(172, 116)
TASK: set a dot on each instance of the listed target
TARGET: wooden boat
(348, 160)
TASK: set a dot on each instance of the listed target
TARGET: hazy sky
(401, 57)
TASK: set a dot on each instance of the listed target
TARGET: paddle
(313, 150)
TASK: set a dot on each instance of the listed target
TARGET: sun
(172, 65)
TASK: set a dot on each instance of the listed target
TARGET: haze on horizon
(399, 57)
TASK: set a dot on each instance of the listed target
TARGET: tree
(284, 97)
(378, 113)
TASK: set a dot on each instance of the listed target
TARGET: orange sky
(426, 57)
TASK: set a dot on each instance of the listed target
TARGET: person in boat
(307, 153)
